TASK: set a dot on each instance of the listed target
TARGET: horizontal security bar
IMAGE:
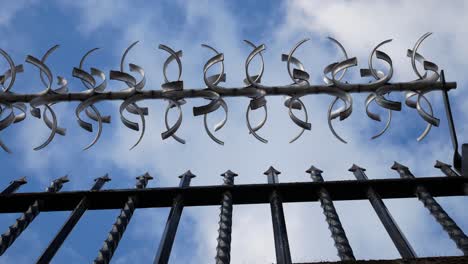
(377, 84)
(241, 194)
(225, 92)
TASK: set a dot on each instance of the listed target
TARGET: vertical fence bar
(457, 158)
(14, 185)
(464, 160)
(283, 255)
(15, 230)
(345, 252)
(455, 232)
(68, 226)
(168, 236)
(398, 238)
(223, 249)
(111, 243)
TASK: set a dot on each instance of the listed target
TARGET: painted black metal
(223, 249)
(397, 236)
(345, 252)
(68, 226)
(283, 255)
(168, 236)
(118, 228)
(14, 231)
(447, 223)
(14, 186)
(242, 194)
(457, 158)
(464, 165)
(446, 169)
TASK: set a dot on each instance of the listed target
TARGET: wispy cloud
(185, 25)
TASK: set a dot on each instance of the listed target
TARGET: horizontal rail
(241, 194)
(226, 92)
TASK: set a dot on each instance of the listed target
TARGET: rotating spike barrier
(131, 81)
(13, 106)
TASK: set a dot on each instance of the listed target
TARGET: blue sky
(32, 26)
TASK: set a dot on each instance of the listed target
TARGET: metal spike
(283, 255)
(436, 210)
(95, 83)
(223, 248)
(169, 233)
(68, 226)
(111, 243)
(15, 230)
(345, 252)
(14, 186)
(399, 240)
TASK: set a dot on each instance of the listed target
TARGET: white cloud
(359, 25)
(10, 9)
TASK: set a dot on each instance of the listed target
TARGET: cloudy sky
(32, 26)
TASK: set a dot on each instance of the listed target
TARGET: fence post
(345, 252)
(398, 238)
(68, 226)
(110, 244)
(168, 236)
(455, 233)
(223, 249)
(283, 255)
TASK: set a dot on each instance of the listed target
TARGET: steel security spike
(258, 100)
(111, 243)
(14, 185)
(228, 177)
(283, 255)
(185, 178)
(15, 230)
(88, 80)
(57, 184)
(315, 174)
(272, 174)
(169, 233)
(436, 210)
(446, 169)
(142, 180)
(68, 226)
(345, 252)
(223, 248)
(399, 240)
(172, 91)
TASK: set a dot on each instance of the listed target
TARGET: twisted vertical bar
(447, 223)
(68, 226)
(223, 249)
(397, 236)
(345, 252)
(283, 255)
(112, 241)
(15, 230)
(14, 186)
(168, 236)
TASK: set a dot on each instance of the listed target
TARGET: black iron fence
(228, 195)
(14, 107)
